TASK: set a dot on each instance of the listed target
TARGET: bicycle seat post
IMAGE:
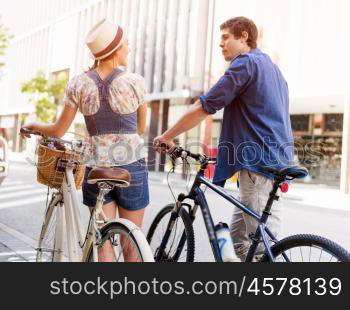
(104, 189)
(273, 195)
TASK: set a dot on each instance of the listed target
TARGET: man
(256, 128)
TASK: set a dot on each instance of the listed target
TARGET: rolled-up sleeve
(229, 86)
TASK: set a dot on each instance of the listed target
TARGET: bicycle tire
(50, 250)
(311, 241)
(124, 227)
(189, 235)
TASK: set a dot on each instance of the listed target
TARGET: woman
(112, 102)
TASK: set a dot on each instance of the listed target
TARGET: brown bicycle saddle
(118, 176)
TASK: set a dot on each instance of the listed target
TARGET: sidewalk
(18, 158)
(313, 195)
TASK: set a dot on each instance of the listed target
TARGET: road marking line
(17, 252)
(23, 202)
(22, 193)
(17, 188)
(11, 183)
(18, 235)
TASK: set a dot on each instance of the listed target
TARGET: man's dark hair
(239, 24)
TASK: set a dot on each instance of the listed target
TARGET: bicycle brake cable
(189, 175)
(86, 235)
(172, 170)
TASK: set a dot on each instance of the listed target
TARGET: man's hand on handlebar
(162, 144)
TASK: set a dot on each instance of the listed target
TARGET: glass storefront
(318, 145)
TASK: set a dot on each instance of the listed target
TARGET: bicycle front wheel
(180, 244)
(122, 241)
(307, 248)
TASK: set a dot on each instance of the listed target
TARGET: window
(300, 122)
(333, 123)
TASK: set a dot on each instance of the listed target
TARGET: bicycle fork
(174, 215)
(183, 237)
(56, 202)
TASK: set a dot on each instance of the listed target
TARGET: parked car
(4, 166)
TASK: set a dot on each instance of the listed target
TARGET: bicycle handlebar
(56, 141)
(178, 152)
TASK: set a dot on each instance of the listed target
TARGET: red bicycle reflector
(284, 187)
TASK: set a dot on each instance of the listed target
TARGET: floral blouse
(126, 94)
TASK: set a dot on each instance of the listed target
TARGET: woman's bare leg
(106, 252)
(130, 254)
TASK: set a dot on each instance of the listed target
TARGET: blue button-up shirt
(256, 127)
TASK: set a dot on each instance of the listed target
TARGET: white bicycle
(59, 166)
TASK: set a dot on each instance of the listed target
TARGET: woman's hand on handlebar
(162, 144)
(27, 130)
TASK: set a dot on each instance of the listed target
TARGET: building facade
(175, 46)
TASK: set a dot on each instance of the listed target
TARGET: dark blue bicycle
(171, 234)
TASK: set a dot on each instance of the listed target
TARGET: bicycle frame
(69, 221)
(196, 194)
(68, 217)
(261, 232)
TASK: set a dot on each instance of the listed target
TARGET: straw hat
(104, 38)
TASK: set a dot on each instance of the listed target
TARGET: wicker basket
(48, 162)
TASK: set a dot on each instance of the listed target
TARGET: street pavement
(315, 209)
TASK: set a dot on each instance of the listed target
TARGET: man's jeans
(254, 191)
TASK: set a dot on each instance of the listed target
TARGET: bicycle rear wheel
(50, 247)
(307, 248)
(122, 241)
(180, 245)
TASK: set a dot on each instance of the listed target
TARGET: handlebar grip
(164, 146)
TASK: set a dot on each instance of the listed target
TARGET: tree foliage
(4, 41)
(46, 94)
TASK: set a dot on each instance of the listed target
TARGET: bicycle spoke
(316, 254)
(310, 254)
(176, 246)
(176, 243)
(320, 255)
(301, 254)
(173, 241)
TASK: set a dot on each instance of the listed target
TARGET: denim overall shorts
(106, 121)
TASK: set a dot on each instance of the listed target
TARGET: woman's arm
(60, 127)
(141, 119)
